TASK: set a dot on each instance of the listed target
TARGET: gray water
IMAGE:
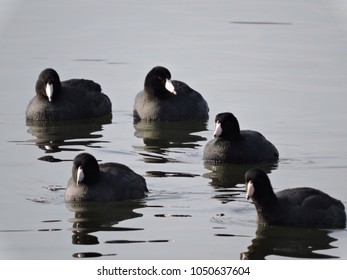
(279, 66)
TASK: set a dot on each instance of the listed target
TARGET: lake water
(279, 66)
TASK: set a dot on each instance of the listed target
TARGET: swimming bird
(163, 99)
(73, 99)
(296, 207)
(232, 145)
(110, 181)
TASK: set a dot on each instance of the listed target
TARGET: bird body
(166, 100)
(296, 207)
(73, 99)
(91, 181)
(232, 145)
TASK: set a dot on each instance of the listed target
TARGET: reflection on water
(170, 174)
(100, 216)
(226, 178)
(94, 217)
(57, 137)
(288, 242)
(159, 137)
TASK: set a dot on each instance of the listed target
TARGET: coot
(73, 99)
(298, 207)
(105, 182)
(232, 145)
(166, 100)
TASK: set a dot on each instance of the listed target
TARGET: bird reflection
(100, 216)
(288, 242)
(228, 179)
(161, 137)
(55, 137)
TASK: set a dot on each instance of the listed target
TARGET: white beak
(169, 86)
(49, 91)
(80, 175)
(249, 190)
(218, 130)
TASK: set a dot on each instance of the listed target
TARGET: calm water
(279, 66)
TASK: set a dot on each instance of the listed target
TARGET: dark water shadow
(261, 22)
(289, 242)
(160, 138)
(93, 217)
(55, 137)
(228, 179)
(163, 174)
